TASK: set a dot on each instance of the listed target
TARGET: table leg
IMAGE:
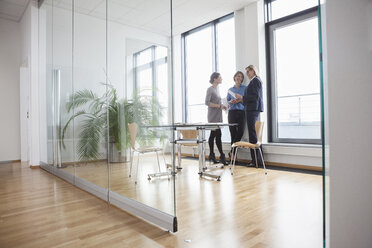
(178, 151)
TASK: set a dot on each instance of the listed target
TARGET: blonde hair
(253, 68)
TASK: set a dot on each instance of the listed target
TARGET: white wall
(29, 57)
(349, 80)
(9, 90)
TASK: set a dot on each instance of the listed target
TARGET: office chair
(133, 128)
(191, 135)
(246, 145)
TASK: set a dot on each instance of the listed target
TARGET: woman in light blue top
(236, 109)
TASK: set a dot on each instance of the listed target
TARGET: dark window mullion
(271, 66)
(184, 71)
(214, 47)
(135, 58)
(154, 72)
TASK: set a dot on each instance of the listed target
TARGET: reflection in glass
(144, 100)
(89, 77)
(62, 87)
(113, 69)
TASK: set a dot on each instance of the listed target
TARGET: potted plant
(93, 111)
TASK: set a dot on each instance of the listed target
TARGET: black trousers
(252, 117)
(215, 134)
(236, 132)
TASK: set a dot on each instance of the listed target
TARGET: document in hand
(225, 103)
(232, 94)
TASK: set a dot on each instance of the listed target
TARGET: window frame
(215, 65)
(153, 64)
(270, 27)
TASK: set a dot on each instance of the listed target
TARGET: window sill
(292, 145)
(306, 150)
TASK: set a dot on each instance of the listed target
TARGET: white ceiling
(13, 9)
(150, 15)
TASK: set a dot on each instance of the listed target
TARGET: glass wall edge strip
(92, 188)
(47, 167)
(152, 215)
(57, 172)
(155, 216)
(64, 175)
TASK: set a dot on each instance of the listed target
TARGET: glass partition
(91, 96)
(62, 87)
(108, 103)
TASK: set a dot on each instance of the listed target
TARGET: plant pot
(116, 156)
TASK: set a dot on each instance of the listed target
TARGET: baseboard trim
(295, 166)
(10, 161)
(35, 167)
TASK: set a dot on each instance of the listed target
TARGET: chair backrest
(133, 128)
(189, 134)
(259, 130)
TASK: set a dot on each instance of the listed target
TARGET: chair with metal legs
(189, 138)
(246, 145)
(133, 129)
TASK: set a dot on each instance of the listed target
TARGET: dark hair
(237, 73)
(214, 76)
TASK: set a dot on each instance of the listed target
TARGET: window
(293, 75)
(206, 49)
(282, 8)
(151, 76)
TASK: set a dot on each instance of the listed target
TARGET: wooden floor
(249, 209)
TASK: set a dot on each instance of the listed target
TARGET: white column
(349, 78)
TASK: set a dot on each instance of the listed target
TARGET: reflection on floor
(249, 209)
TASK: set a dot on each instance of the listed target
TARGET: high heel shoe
(212, 158)
(223, 159)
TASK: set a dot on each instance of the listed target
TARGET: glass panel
(281, 8)
(91, 94)
(197, 113)
(139, 41)
(144, 82)
(298, 103)
(199, 68)
(226, 62)
(62, 86)
(144, 57)
(161, 52)
(163, 91)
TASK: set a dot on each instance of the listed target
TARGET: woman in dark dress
(253, 104)
(213, 101)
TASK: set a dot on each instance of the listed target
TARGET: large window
(151, 76)
(207, 49)
(293, 75)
